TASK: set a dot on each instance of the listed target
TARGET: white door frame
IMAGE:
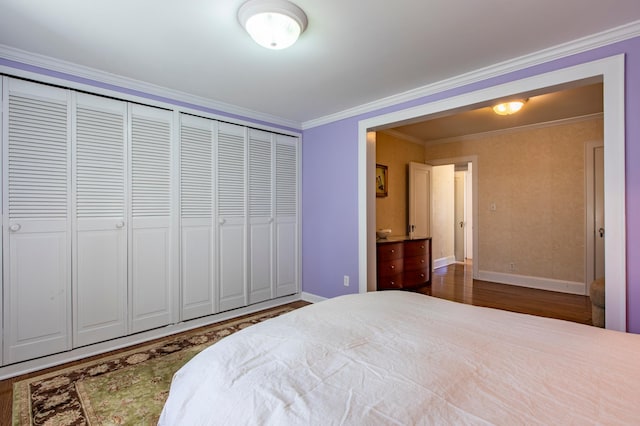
(611, 71)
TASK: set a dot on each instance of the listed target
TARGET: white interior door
(36, 220)
(459, 212)
(196, 217)
(100, 243)
(419, 200)
(231, 197)
(151, 237)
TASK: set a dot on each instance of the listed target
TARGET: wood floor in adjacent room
(453, 282)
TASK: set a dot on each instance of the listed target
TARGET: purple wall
(330, 193)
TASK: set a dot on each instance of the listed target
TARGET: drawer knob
(421, 247)
(393, 283)
(393, 266)
(421, 275)
(393, 251)
(421, 260)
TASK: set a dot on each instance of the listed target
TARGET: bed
(403, 358)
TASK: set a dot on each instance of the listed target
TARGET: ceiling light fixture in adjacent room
(508, 108)
(274, 24)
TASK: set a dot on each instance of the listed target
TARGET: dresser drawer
(390, 282)
(416, 262)
(390, 267)
(390, 251)
(416, 248)
(415, 278)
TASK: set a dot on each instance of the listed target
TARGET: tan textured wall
(536, 179)
(396, 154)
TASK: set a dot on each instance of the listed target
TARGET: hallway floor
(455, 282)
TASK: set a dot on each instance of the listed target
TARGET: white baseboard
(123, 342)
(571, 287)
(312, 298)
(443, 261)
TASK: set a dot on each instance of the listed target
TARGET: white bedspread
(403, 358)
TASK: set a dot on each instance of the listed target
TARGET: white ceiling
(352, 53)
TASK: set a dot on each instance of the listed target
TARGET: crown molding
(526, 127)
(398, 134)
(580, 45)
(95, 77)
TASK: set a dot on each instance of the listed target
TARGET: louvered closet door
(231, 196)
(260, 216)
(151, 245)
(100, 249)
(37, 249)
(196, 216)
(286, 215)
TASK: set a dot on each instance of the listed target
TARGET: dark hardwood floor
(453, 282)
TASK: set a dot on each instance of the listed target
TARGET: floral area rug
(127, 388)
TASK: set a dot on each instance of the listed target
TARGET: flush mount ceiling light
(274, 24)
(508, 108)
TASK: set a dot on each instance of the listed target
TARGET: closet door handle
(120, 225)
(221, 221)
(15, 227)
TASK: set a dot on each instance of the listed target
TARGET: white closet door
(286, 215)
(36, 224)
(260, 216)
(100, 249)
(231, 197)
(151, 235)
(196, 217)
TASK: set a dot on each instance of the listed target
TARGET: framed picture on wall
(381, 180)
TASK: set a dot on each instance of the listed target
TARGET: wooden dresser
(404, 263)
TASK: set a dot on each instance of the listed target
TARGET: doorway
(611, 72)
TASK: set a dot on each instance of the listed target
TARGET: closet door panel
(196, 217)
(197, 271)
(260, 261)
(151, 292)
(231, 203)
(36, 224)
(151, 241)
(100, 250)
(232, 264)
(260, 175)
(286, 253)
(286, 215)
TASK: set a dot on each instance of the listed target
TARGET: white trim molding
(443, 261)
(572, 287)
(311, 298)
